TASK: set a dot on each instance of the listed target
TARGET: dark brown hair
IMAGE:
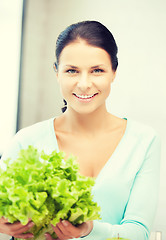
(94, 33)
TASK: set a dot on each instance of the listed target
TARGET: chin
(86, 110)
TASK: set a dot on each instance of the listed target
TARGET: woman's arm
(142, 203)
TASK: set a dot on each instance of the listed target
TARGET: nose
(84, 82)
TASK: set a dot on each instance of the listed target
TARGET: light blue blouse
(127, 186)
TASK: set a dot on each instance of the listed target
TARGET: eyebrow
(71, 66)
(97, 66)
(100, 65)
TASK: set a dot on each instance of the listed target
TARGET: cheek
(106, 88)
(105, 85)
(65, 86)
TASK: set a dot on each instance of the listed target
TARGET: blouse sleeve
(11, 151)
(142, 203)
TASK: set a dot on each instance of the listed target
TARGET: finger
(24, 236)
(64, 228)
(86, 228)
(18, 227)
(82, 226)
(60, 234)
(3, 220)
(81, 230)
(48, 237)
(71, 229)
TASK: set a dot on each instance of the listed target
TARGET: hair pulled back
(94, 33)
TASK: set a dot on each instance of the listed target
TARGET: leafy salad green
(45, 189)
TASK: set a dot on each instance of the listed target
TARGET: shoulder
(40, 135)
(143, 144)
(35, 131)
(142, 136)
(141, 130)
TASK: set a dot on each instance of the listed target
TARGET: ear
(114, 76)
(55, 69)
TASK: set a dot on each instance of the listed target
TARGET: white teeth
(84, 96)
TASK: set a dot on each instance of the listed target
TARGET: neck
(87, 124)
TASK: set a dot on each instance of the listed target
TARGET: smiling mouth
(84, 96)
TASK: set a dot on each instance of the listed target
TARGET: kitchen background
(30, 92)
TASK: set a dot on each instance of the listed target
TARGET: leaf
(45, 188)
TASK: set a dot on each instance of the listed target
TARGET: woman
(122, 154)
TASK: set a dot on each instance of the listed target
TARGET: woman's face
(85, 75)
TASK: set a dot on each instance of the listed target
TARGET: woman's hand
(15, 229)
(65, 230)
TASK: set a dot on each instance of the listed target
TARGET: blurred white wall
(10, 39)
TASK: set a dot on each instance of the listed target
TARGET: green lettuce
(45, 189)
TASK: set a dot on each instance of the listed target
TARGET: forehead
(81, 53)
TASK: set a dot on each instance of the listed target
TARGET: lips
(84, 96)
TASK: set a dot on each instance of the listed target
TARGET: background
(29, 90)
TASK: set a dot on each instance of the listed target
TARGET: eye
(98, 70)
(71, 71)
